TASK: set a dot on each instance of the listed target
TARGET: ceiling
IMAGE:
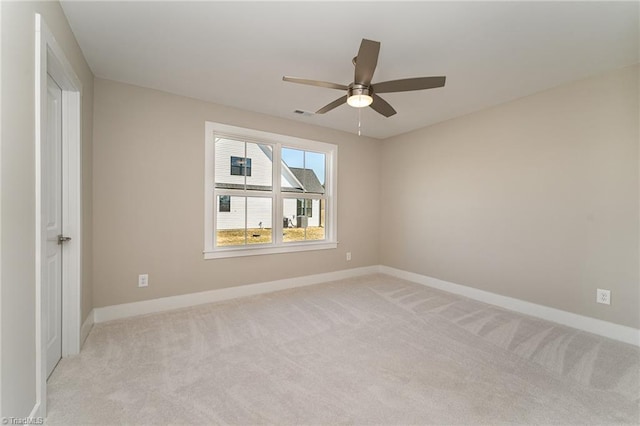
(235, 53)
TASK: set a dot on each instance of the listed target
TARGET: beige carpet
(367, 350)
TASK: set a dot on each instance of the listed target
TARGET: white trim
(40, 71)
(49, 58)
(209, 184)
(591, 325)
(0, 203)
(87, 325)
(126, 310)
(255, 251)
(71, 222)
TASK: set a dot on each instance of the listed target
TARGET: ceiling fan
(362, 92)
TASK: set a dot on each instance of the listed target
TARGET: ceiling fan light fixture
(359, 101)
(361, 92)
(359, 97)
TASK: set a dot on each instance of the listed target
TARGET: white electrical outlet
(348, 256)
(603, 296)
(143, 280)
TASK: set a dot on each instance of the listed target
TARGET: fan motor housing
(359, 89)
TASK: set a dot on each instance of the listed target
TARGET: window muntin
(298, 214)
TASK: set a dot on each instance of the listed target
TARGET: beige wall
(17, 191)
(149, 198)
(535, 199)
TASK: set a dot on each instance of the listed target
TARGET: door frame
(50, 59)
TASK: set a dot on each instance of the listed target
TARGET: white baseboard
(580, 322)
(591, 325)
(108, 313)
(87, 325)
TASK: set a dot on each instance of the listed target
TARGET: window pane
(313, 176)
(238, 163)
(235, 228)
(303, 219)
(227, 175)
(259, 223)
(259, 167)
(302, 171)
(292, 161)
(231, 225)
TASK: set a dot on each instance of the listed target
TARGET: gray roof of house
(241, 186)
(308, 179)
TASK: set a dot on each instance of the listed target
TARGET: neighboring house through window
(282, 190)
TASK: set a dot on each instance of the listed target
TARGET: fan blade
(315, 83)
(366, 61)
(418, 83)
(382, 106)
(332, 105)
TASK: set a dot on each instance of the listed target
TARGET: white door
(52, 226)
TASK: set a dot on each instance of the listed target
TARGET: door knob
(63, 239)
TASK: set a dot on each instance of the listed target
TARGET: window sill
(258, 251)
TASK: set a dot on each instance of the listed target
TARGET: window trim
(212, 130)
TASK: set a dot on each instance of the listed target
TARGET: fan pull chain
(359, 121)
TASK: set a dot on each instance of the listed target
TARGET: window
(273, 193)
(224, 204)
(240, 165)
(305, 208)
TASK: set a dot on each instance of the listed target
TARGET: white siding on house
(314, 220)
(259, 211)
(233, 219)
(290, 209)
(261, 164)
(261, 167)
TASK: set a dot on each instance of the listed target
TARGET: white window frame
(277, 141)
